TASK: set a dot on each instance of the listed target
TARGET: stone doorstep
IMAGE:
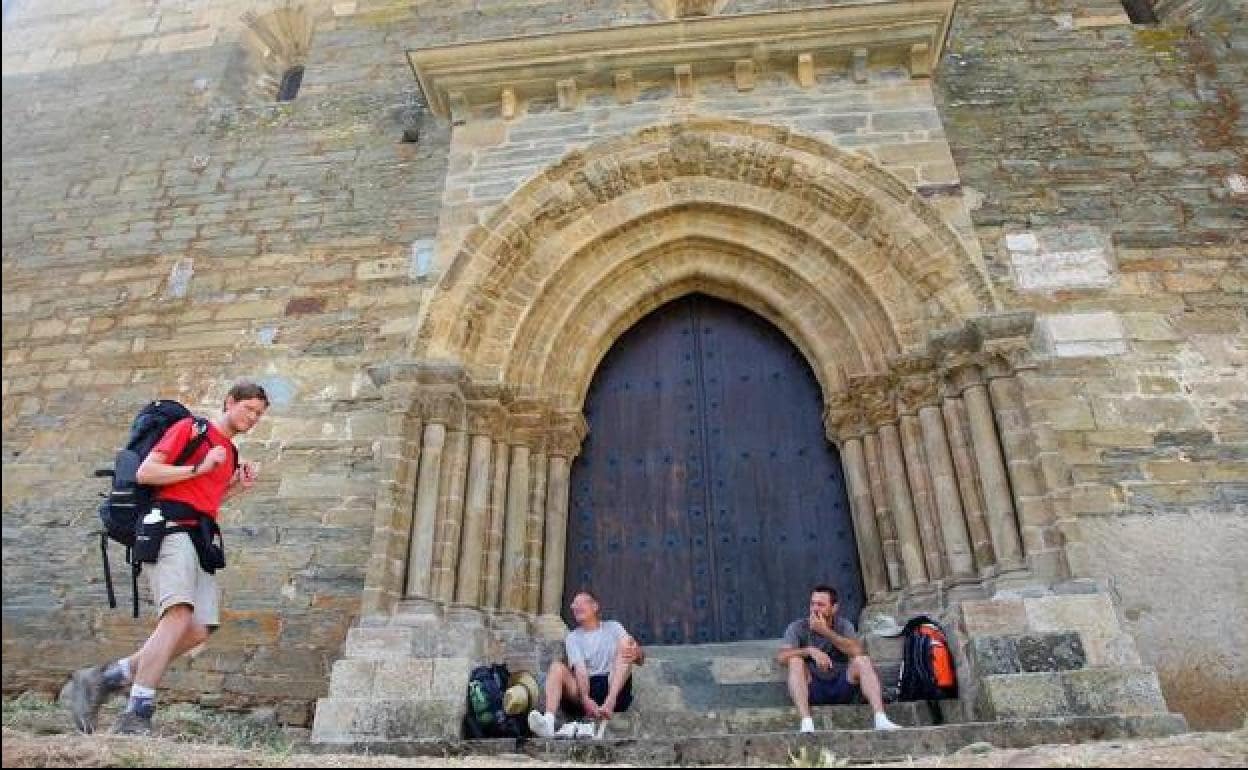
(776, 747)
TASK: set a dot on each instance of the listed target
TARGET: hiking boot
(84, 693)
(131, 723)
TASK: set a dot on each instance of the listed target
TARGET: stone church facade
(1006, 240)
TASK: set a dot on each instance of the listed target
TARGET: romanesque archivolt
(748, 212)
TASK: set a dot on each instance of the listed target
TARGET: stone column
(476, 513)
(420, 554)
(998, 502)
(844, 420)
(491, 578)
(535, 530)
(514, 531)
(921, 496)
(968, 483)
(1035, 516)
(870, 551)
(555, 556)
(903, 509)
(883, 513)
(450, 513)
(945, 489)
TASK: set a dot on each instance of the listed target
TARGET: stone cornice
(456, 77)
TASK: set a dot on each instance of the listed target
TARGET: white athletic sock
(808, 725)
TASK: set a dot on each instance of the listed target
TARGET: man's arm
(156, 470)
(846, 644)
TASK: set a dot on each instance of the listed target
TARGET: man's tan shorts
(177, 578)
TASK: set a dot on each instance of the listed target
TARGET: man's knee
(178, 615)
(558, 669)
(797, 664)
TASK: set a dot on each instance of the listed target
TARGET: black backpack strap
(199, 434)
(108, 572)
(135, 569)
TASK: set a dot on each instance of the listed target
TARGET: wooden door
(706, 500)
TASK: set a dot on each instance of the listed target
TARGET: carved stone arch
(878, 265)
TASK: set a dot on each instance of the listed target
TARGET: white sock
(808, 725)
(139, 691)
(124, 665)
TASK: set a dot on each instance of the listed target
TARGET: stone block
(1002, 616)
(1117, 650)
(1050, 652)
(992, 655)
(744, 670)
(370, 720)
(410, 678)
(375, 643)
(351, 678)
(450, 676)
(1090, 615)
(1069, 335)
(1024, 696)
(1123, 690)
(1060, 258)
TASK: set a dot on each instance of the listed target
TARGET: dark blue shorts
(832, 691)
(599, 686)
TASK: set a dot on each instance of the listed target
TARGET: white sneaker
(542, 725)
(602, 730)
(584, 730)
(569, 730)
(882, 722)
(808, 725)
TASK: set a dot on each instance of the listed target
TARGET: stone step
(712, 677)
(778, 747)
(657, 723)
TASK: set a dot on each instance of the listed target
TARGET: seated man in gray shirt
(596, 682)
(827, 663)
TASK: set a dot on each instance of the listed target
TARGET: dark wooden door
(706, 500)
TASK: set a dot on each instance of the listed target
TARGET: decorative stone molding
(545, 65)
(874, 392)
(684, 9)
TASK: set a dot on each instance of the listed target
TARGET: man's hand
(822, 660)
(215, 457)
(590, 708)
(247, 473)
(818, 625)
(607, 707)
(630, 651)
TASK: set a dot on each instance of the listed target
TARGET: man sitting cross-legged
(827, 663)
(596, 682)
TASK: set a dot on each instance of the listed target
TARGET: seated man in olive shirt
(827, 664)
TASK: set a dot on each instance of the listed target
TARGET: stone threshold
(776, 747)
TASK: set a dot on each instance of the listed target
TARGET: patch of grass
(191, 723)
(35, 713)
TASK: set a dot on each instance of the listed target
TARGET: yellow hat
(522, 694)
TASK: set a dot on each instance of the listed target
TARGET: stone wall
(1110, 160)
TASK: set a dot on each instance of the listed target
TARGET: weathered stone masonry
(1016, 268)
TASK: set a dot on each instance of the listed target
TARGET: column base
(551, 628)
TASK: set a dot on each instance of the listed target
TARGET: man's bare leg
(620, 673)
(560, 685)
(799, 686)
(862, 673)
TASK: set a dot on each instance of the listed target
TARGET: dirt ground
(38, 733)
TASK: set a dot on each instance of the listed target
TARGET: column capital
(843, 419)
(875, 394)
(567, 433)
(962, 371)
(488, 418)
(918, 383)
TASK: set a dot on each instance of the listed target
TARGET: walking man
(827, 663)
(596, 682)
(186, 595)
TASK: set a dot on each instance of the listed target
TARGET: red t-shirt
(205, 491)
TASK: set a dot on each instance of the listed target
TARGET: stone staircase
(1054, 669)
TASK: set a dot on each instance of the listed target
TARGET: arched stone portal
(869, 283)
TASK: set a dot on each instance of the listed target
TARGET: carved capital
(441, 404)
(1007, 357)
(962, 371)
(875, 394)
(918, 390)
(486, 418)
(567, 434)
(844, 418)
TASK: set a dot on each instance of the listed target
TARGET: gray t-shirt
(595, 649)
(798, 634)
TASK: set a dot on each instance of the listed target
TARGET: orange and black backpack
(927, 664)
